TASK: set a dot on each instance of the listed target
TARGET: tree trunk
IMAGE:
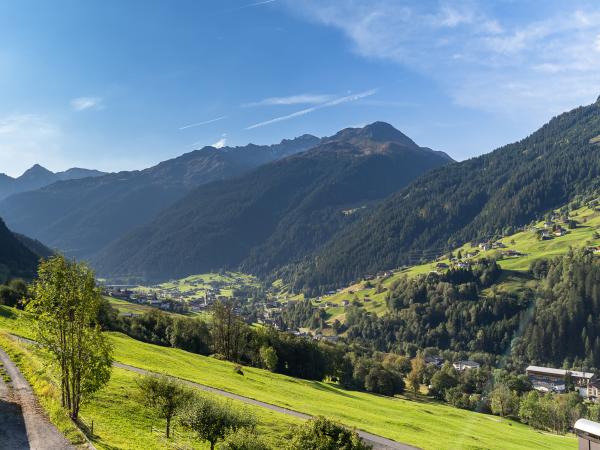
(168, 427)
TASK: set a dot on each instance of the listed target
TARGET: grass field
(119, 420)
(423, 423)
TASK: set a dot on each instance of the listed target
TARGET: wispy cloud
(541, 60)
(302, 112)
(249, 5)
(84, 103)
(206, 122)
(299, 99)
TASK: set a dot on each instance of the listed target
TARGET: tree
(416, 373)
(502, 400)
(165, 395)
(213, 420)
(227, 331)
(268, 355)
(65, 305)
(323, 434)
(382, 381)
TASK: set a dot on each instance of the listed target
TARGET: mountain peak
(376, 131)
(36, 170)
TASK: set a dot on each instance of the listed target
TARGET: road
(378, 442)
(23, 422)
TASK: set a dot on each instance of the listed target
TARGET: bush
(323, 434)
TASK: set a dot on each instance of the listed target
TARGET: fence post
(92, 427)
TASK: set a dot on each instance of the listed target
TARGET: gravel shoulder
(24, 424)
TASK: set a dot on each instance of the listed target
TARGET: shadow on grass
(335, 389)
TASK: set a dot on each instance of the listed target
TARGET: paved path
(23, 422)
(378, 442)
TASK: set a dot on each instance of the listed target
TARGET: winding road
(24, 424)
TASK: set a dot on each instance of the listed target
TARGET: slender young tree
(65, 303)
(228, 331)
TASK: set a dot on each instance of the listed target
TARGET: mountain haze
(467, 201)
(80, 217)
(275, 214)
(38, 176)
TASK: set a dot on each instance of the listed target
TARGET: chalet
(560, 232)
(545, 235)
(436, 361)
(498, 245)
(366, 299)
(548, 224)
(462, 265)
(512, 253)
(485, 246)
(463, 365)
(593, 391)
(441, 265)
(472, 254)
(345, 302)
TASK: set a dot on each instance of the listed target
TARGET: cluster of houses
(549, 379)
(163, 300)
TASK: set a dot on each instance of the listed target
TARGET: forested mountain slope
(16, 260)
(466, 201)
(79, 217)
(275, 214)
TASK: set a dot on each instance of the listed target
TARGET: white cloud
(302, 112)
(221, 142)
(206, 122)
(26, 139)
(299, 99)
(85, 103)
(541, 62)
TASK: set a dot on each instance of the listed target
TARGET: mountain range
(276, 214)
(16, 258)
(38, 176)
(81, 216)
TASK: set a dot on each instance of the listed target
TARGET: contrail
(191, 125)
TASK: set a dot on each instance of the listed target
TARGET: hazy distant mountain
(275, 214)
(81, 216)
(467, 201)
(37, 177)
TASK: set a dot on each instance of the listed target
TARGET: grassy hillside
(423, 423)
(120, 422)
(525, 242)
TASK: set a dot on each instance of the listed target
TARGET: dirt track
(23, 423)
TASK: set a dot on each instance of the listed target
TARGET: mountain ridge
(272, 215)
(81, 216)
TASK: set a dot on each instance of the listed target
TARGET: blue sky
(120, 85)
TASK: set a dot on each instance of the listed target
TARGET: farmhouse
(441, 265)
(549, 379)
(434, 361)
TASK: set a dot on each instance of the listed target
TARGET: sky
(121, 85)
